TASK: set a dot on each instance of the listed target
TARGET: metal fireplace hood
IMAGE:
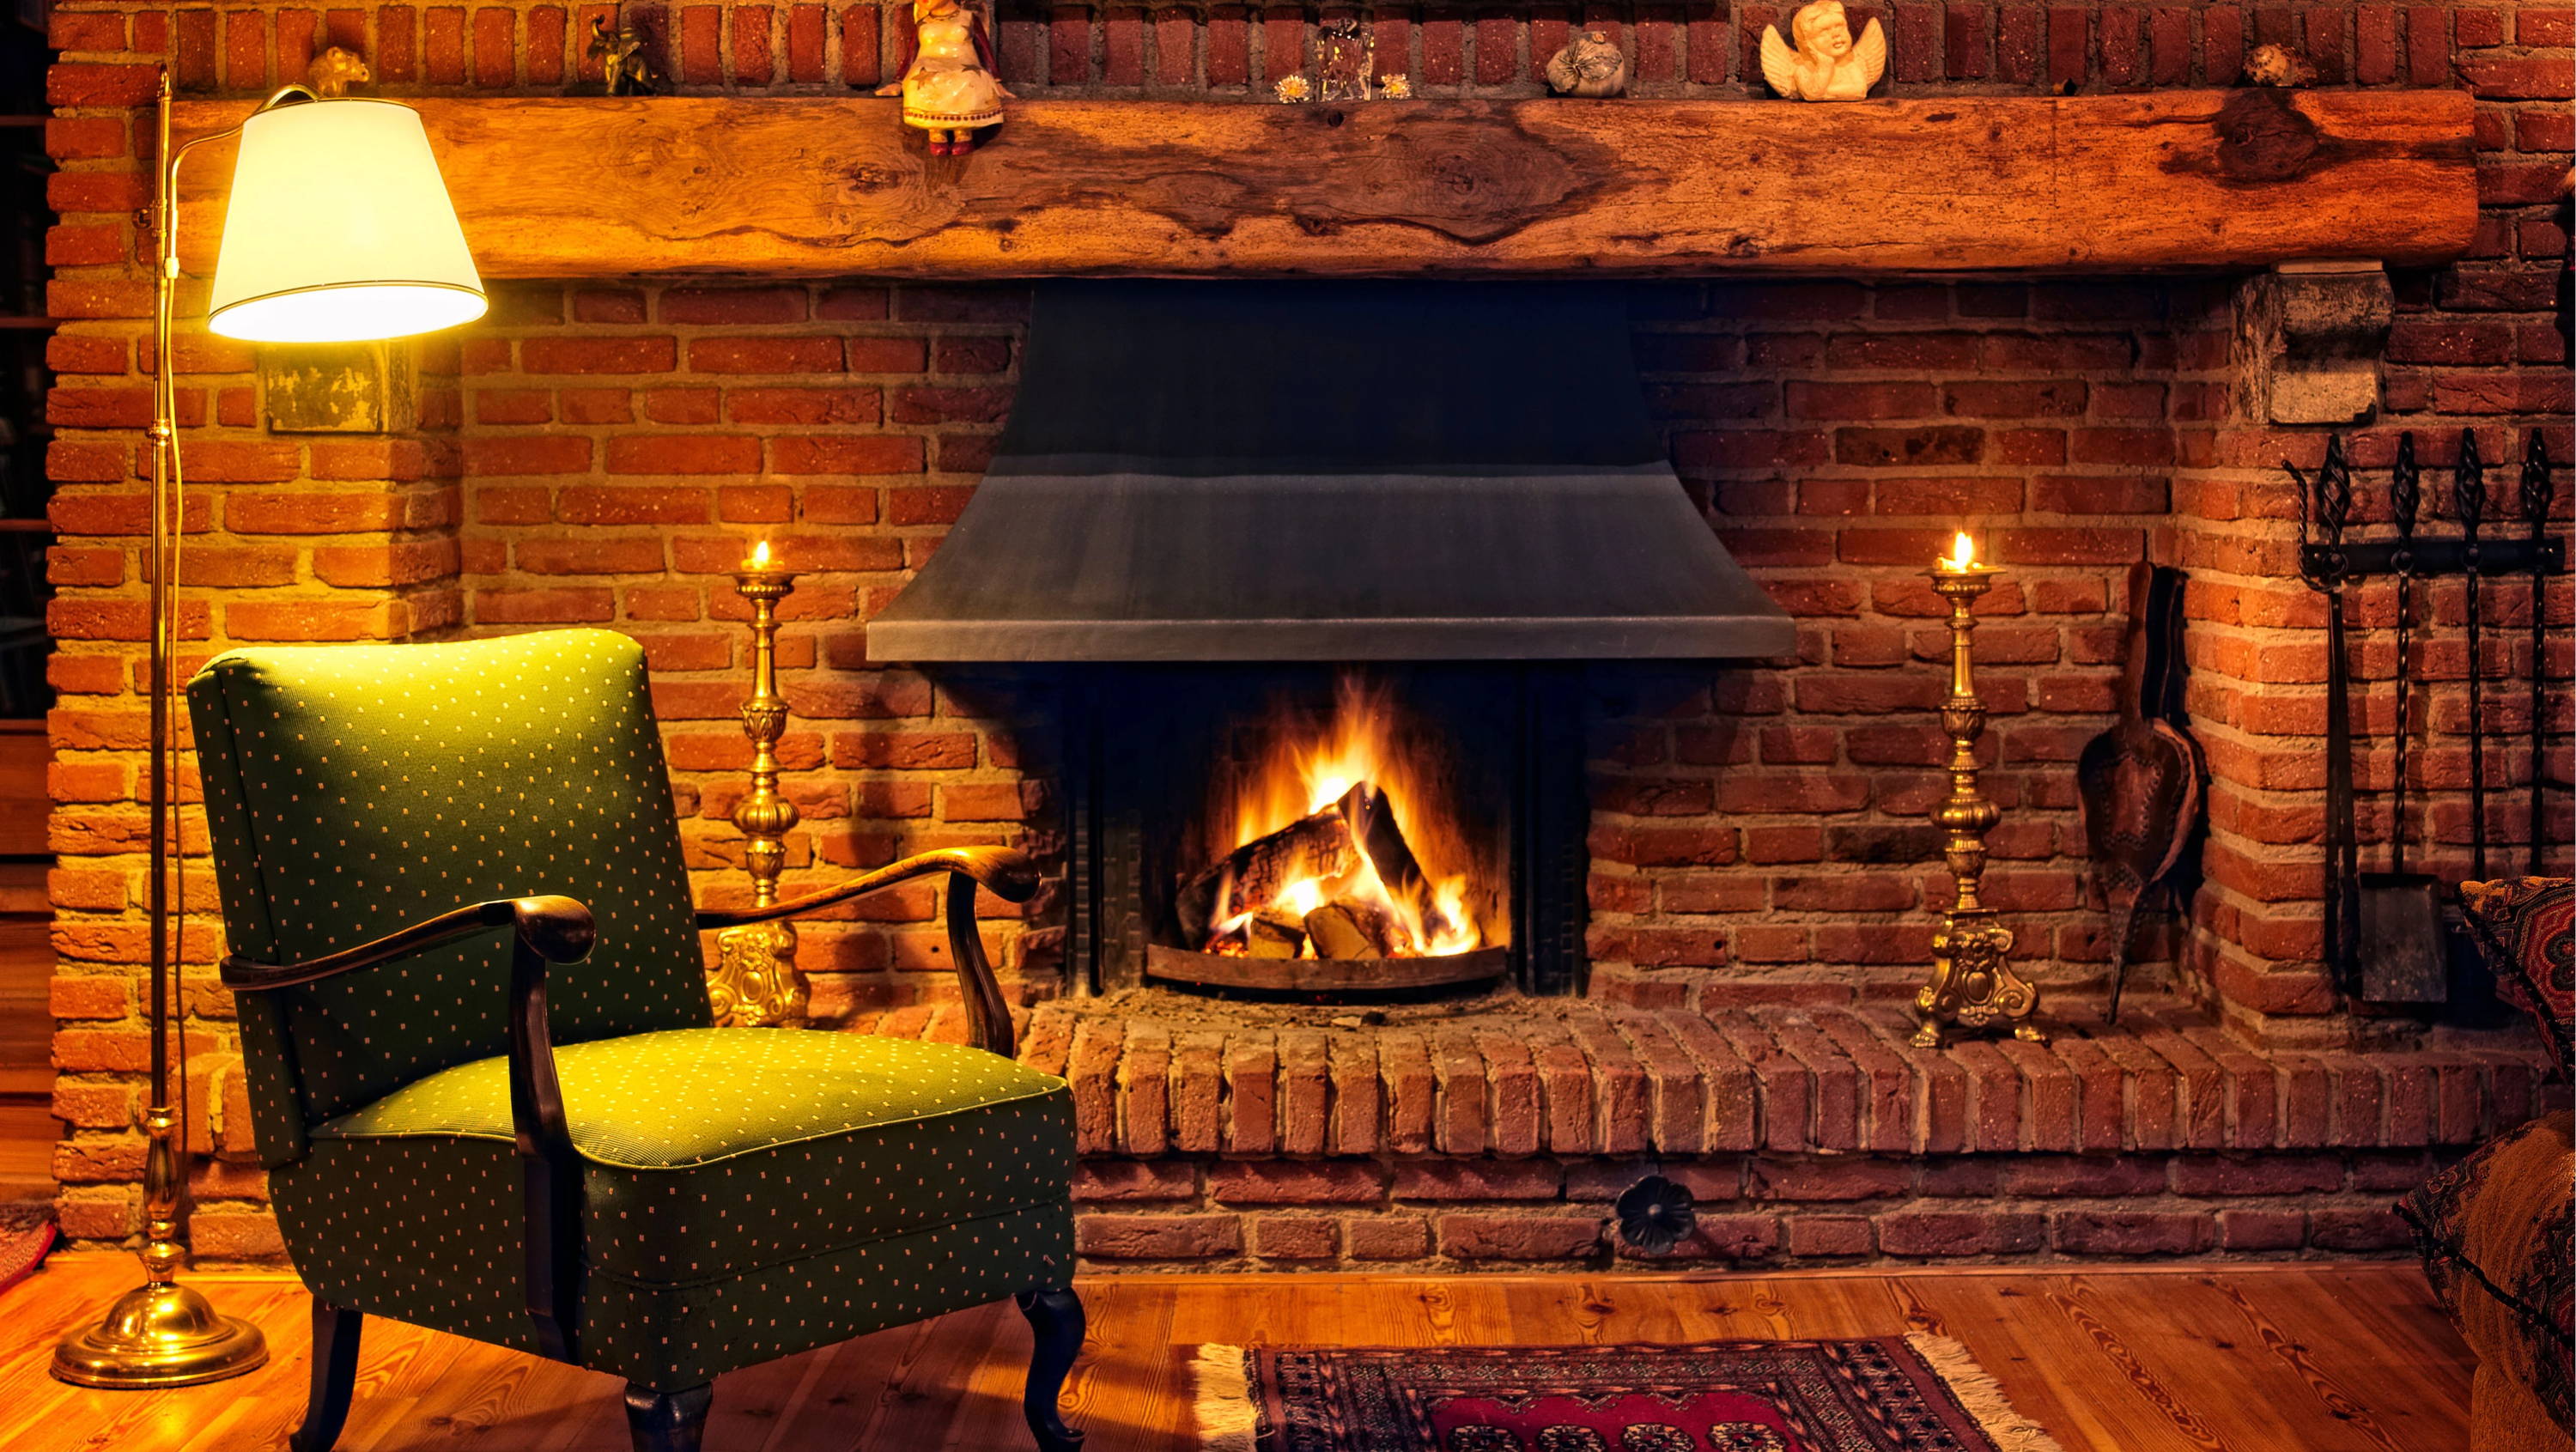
(1343, 471)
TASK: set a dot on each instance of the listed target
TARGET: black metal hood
(1344, 471)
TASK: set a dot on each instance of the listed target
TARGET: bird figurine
(1590, 65)
(1826, 64)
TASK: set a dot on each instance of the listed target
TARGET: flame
(1963, 551)
(760, 554)
(1312, 765)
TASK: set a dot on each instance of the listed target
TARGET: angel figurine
(1827, 65)
(948, 86)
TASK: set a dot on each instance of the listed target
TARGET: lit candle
(1963, 552)
(760, 556)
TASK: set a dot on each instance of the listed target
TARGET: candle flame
(1963, 551)
(760, 554)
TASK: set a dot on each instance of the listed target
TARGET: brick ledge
(1155, 1075)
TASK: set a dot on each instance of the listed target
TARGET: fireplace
(1307, 831)
(1320, 556)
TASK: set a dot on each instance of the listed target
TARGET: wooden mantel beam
(560, 188)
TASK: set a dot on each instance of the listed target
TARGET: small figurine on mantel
(1591, 65)
(334, 71)
(948, 84)
(2278, 65)
(1827, 65)
(623, 66)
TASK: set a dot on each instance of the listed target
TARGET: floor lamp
(339, 229)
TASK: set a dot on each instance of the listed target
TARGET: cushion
(2499, 1242)
(2527, 928)
(712, 1152)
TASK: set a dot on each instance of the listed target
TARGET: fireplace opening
(1327, 832)
(1350, 837)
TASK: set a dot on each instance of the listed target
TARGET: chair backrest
(354, 790)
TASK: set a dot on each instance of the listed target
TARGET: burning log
(1350, 928)
(1253, 875)
(1372, 825)
(1274, 933)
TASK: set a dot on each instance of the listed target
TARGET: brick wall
(602, 454)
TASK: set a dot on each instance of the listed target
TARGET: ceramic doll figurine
(948, 86)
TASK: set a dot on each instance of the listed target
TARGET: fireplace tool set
(2384, 938)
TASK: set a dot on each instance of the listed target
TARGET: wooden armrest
(557, 929)
(1005, 872)
(545, 931)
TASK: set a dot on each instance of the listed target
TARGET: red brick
(2262, 1229)
(1387, 1237)
(752, 64)
(852, 454)
(2130, 1232)
(1295, 1237)
(443, 44)
(1519, 1237)
(1158, 1237)
(764, 354)
(2523, 77)
(544, 607)
(546, 45)
(84, 84)
(1958, 1232)
(1828, 1179)
(683, 454)
(519, 454)
(599, 355)
(633, 504)
(2358, 1230)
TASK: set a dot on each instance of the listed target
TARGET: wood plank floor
(2305, 1358)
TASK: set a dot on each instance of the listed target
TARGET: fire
(1963, 551)
(1354, 764)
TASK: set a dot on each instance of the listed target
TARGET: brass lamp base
(160, 1336)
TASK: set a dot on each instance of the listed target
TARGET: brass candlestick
(1972, 981)
(755, 983)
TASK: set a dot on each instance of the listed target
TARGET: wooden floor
(2244, 1358)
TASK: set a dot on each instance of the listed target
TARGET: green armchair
(483, 1073)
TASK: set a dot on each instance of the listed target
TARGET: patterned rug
(1872, 1394)
(26, 1236)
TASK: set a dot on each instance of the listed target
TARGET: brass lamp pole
(1972, 982)
(374, 251)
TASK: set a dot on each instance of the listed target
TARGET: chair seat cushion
(712, 1152)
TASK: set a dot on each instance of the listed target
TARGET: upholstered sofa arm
(545, 931)
(1007, 874)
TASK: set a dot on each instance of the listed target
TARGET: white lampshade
(340, 229)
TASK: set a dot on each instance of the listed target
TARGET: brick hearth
(1502, 1130)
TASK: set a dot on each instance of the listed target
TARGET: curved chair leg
(335, 1377)
(667, 1421)
(1056, 1318)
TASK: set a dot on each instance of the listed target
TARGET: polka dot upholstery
(712, 1151)
(745, 1193)
(353, 790)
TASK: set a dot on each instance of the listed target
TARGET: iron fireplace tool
(2328, 498)
(2535, 512)
(2403, 957)
(2469, 499)
(2137, 784)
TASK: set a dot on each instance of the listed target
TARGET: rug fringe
(1222, 1400)
(1979, 1393)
